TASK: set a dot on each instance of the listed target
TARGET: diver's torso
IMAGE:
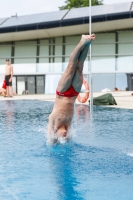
(62, 113)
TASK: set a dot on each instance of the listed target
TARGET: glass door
(40, 84)
(20, 85)
(31, 84)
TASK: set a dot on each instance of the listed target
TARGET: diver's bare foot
(87, 38)
(91, 37)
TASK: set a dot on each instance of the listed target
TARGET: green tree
(79, 3)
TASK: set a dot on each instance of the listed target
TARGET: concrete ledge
(123, 98)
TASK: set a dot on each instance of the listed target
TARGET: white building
(40, 44)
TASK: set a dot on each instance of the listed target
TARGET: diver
(68, 89)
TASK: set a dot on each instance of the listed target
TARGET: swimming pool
(96, 165)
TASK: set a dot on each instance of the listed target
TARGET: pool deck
(123, 99)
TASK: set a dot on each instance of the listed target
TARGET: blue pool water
(96, 165)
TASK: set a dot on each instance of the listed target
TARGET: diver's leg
(67, 77)
(78, 77)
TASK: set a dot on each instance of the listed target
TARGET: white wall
(24, 68)
(51, 83)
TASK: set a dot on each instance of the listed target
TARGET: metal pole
(91, 89)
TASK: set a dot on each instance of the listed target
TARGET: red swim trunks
(4, 85)
(68, 93)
